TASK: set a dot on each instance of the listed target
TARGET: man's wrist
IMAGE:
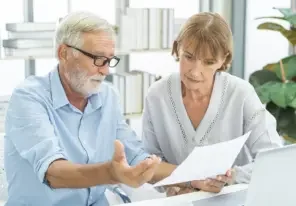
(112, 179)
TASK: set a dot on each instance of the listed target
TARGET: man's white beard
(83, 84)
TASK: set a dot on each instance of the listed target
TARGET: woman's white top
(234, 109)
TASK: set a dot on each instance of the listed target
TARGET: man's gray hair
(70, 28)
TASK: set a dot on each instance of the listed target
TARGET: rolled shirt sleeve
(29, 128)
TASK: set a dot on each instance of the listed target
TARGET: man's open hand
(133, 176)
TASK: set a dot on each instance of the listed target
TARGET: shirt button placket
(82, 137)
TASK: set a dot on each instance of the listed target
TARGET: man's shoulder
(37, 86)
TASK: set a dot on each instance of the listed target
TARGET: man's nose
(104, 70)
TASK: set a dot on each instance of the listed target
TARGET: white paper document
(207, 161)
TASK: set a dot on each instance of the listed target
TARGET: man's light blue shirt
(42, 126)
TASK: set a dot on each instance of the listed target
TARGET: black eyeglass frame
(94, 57)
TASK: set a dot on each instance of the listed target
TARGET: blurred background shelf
(36, 53)
(135, 115)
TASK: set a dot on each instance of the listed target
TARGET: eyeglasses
(99, 60)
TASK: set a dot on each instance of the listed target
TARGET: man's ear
(62, 53)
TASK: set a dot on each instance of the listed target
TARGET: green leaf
(287, 12)
(289, 129)
(286, 116)
(271, 17)
(277, 92)
(289, 34)
(264, 91)
(290, 94)
(289, 64)
(260, 77)
(289, 15)
(263, 95)
(292, 103)
(283, 117)
(282, 94)
(286, 120)
(274, 109)
(270, 67)
(271, 26)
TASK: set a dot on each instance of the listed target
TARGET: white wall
(263, 47)
(11, 71)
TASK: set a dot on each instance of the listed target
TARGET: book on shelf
(147, 28)
(171, 27)
(32, 52)
(31, 35)
(127, 34)
(27, 43)
(133, 87)
(140, 27)
(133, 91)
(147, 80)
(155, 23)
(30, 26)
(165, 28)
(118, 81)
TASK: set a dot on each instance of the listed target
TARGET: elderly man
(66, 138)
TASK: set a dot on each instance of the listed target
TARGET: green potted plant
(275, 83)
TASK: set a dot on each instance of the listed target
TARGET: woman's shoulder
(159, 88)
(237, 84)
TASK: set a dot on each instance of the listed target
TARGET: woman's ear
(226, 56)
(175, 52)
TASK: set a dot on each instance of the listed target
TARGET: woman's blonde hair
(206, 31)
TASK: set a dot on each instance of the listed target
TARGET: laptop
(273, 182)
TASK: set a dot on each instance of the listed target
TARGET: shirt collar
(59, 97)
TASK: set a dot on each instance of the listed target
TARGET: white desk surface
(186, 199)
(179, 200)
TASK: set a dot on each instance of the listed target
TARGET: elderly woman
(203, 104)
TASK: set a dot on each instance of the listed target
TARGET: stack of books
(132, 88)
(147, 29)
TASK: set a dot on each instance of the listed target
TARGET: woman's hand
(173, 191)
(214, 185)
